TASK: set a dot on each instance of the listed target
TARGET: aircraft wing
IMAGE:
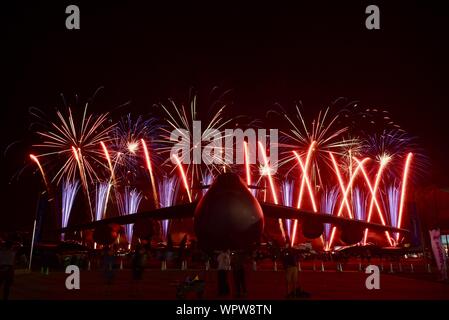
(283, 212)
(175, 212)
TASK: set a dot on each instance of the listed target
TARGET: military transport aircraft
(228, 216)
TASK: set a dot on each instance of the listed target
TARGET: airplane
(228, 216)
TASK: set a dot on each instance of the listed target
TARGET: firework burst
(75, 146)
(324, 133)
(182, 121)
(127, 149)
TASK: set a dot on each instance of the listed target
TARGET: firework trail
(44, 176)
(150, 171)
(383, 162)
(287, 200)
(108, 158)
(266, 170)
(359, 204)
(404, 189)
(69, 190)
(304, 180)
(101, 200)
(328, 201)
(128, 204)
(345, 192)
(168, 189)
(248, 167)
(183, 176)
(392, 205)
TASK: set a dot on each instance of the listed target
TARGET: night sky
(264, 53)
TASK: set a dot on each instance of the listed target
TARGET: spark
(345, 194)
(305, 180)
(182, 121)
(167, 191)
(101, 200)
(359, 204)
(69, 190)
(79, 160)
(108, 158)
(129, 204)
(44, 176)
(133, 146)
(150, 170)
(287, 200)
(384, 160)
(206, 180)
(268, 173)
(183, 176)
(247, 164)
(270, 180)
(323, 131)
(328, 202)
(342, 186)
(62, 137)
(403, 189)
(125, 144)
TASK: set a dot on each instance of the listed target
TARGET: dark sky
(265, 53)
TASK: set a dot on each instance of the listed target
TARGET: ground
(262, 284)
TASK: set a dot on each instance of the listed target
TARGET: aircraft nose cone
(228, 216)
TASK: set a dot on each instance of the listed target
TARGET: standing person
(238, 272)
(224, 264)
(7, 259)
(137, 262)
(290, 261)
(182, 253)
(137, 265)
(108, 264)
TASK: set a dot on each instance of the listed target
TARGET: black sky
(265, 53)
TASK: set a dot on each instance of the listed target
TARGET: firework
(76, 146)
(67, 141)
(128, 204)
(374, 189)
(287, 200)
(403, 189)
(345, 193)
(101, 200)
(69, 190)
(41, 169)
(126, 143)
(328, 202)
(342, 186)
(305, 180)
(359, 204)
(207, 180)
(168, 188)
(183, 176)
(150, 170)
(247, 163)
(323, 133)
(267, 171)
(108, 158)
(183, 121)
